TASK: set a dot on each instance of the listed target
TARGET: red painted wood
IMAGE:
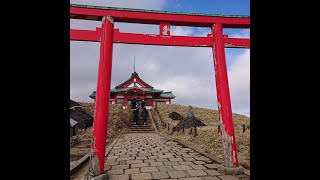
(157, 18)
(149, 39)
(103, 91)
(85, 35)
(236, 42)
(152, 100)
(137, 81)
(223, 94)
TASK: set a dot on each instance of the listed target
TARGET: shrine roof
(136, 75)
(167, 95)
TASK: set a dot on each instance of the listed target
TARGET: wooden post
(223, 97)
(195, 131)
(100, 126)
(190, 131)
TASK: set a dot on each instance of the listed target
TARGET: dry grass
(117, 124)
(118, 117)
(208, 138)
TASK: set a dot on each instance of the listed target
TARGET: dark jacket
(133, 104)
(143, 104)
(144, 113)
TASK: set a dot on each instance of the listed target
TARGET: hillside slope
(208, 138)
(80, 144)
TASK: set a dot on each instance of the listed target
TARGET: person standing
(133, 103)
(134, 107)
(144, 115)
(139, 111)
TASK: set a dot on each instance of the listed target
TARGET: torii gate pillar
(223, 97)
(100, 125)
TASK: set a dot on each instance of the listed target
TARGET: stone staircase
(140, 128)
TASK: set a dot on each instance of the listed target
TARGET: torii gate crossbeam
(107, 35)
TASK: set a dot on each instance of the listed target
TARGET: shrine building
(136, 88)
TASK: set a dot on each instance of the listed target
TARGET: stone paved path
(150, 156)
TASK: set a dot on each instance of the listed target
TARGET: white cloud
(239, 81)
(181, 31)
(244, 33)
(142, 4)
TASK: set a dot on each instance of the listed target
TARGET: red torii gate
(107, 35)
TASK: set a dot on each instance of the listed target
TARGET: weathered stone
(111, 162)
(187, 155)
(132, 171)
(125, 156)
(211, 178)
(201, 158)
(175, 159)
(165, 168)
(228, 177)
(152, 157)
(213, 166)
(119, 177)
(160, 175)
(212, 172)
(141, 176)
(115, 171)
(181, 167)
(149, 160)
(107, 167)
(186, 163)
(156, 164)
(165, 156)
(139, 165)
(161, 160)
(174, 163)
(197, 172)
(144, 154)
(170, 154)
(112, 157)
(198, 166)
(199, 162)
(189, 159)
(149, 169)
(176, 174)
(191, 178)
(126, 166)
(134, 161)
(140, 158)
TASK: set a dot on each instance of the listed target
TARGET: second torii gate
(107, 35)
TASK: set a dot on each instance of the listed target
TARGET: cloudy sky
(186, 71)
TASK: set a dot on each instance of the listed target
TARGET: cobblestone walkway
(150, 156)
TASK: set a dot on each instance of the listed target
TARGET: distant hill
(118, 117)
